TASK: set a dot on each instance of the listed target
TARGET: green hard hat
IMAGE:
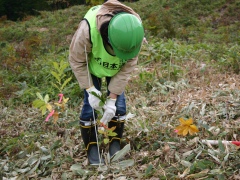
(125, 33)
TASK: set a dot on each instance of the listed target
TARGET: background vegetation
(18, 10)
(189, 68)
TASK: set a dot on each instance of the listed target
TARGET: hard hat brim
(126, 55)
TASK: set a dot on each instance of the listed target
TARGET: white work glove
(93, 100)
(109, 111)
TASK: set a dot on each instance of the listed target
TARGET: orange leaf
(193, 129)
(186, 122)
(55, 117)
(186, 126)
(185, 131)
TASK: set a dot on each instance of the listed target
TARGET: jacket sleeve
(120, 80)
(77, 55)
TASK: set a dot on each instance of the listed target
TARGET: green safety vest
(101, 64)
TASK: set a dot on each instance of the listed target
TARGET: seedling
(54, 108)
(105, 131)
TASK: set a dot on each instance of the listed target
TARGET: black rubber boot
(89, 138)
(115, 142)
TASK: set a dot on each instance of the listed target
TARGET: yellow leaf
(49, 107)
(101, 131)
(59, 105)
(112, 128)
(65, 100)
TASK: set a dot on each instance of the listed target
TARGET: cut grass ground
(212, 100)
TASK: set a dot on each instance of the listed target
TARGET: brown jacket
(77, 56)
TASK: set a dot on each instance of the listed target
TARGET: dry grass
(210, 98)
